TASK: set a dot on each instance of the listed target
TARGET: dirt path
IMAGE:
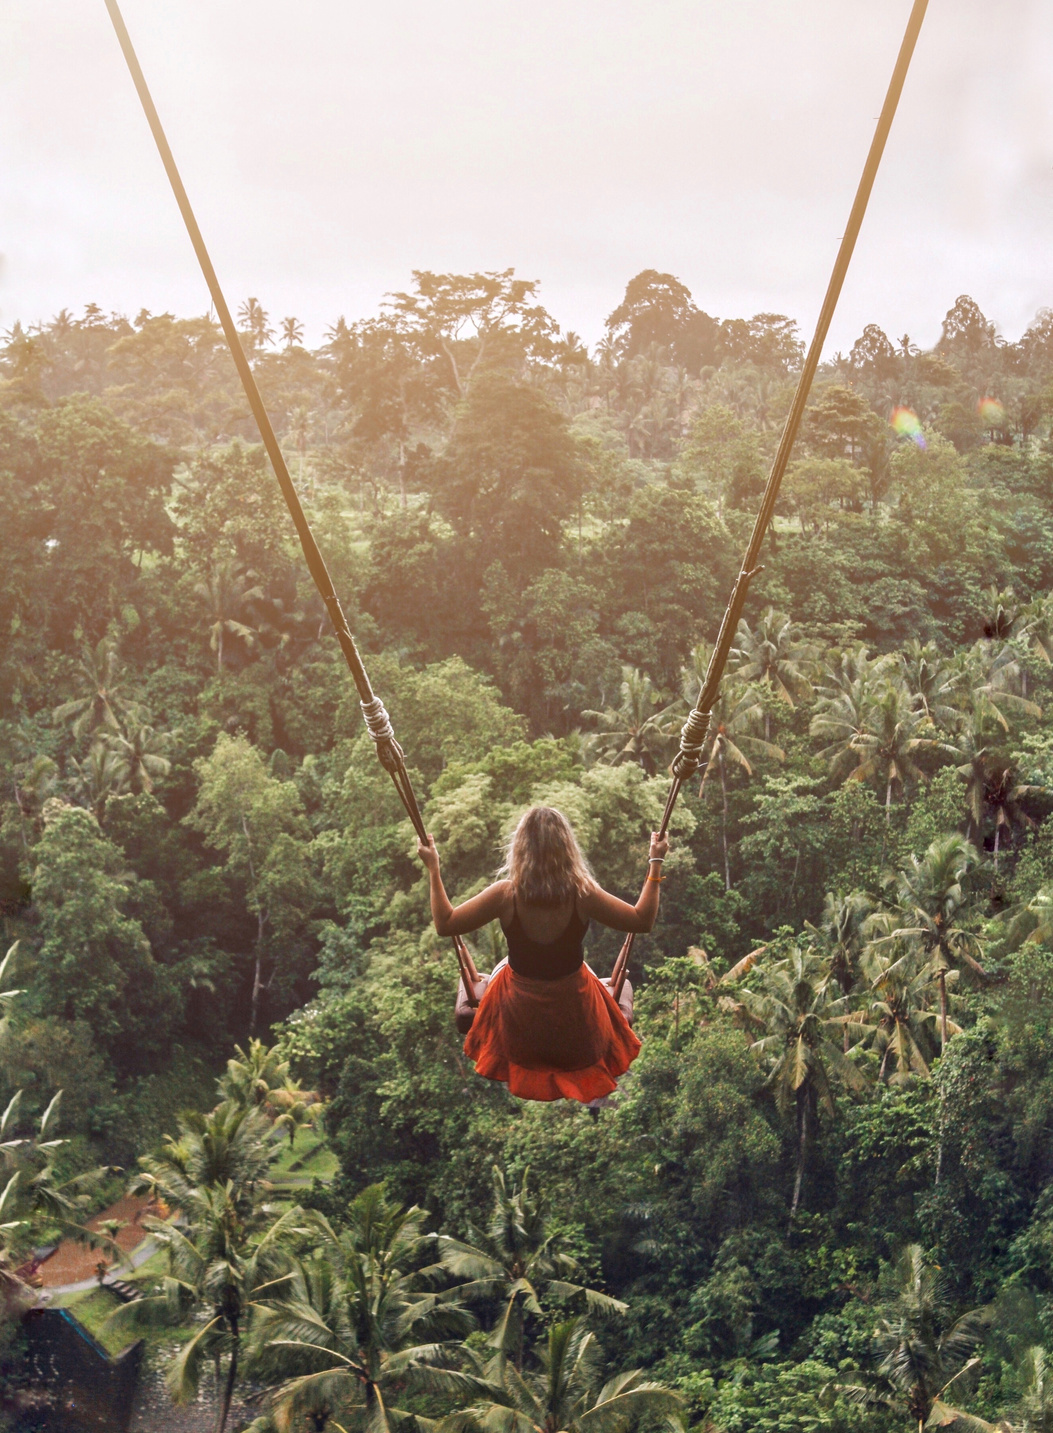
(73, 1263)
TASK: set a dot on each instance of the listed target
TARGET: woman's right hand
(428, 854)
(659, 847)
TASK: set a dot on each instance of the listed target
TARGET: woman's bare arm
(473, 914)
(620, 915)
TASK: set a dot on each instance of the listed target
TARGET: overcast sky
(330, 148)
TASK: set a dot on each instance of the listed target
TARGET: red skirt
(561, 1039)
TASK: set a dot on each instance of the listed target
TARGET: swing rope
(696, 731)
(378, 723)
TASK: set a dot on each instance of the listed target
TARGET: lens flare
(991, 412)
(905, 422)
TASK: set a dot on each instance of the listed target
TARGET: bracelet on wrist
(655, 880)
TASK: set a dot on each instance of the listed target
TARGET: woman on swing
(546, 1025)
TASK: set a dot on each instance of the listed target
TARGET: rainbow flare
(905, 422)
(992, 413)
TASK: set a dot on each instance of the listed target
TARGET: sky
(330, 148)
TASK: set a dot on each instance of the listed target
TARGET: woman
(546, 1025)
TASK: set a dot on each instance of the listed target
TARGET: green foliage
(534, 545)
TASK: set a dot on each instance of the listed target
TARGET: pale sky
(330, 148)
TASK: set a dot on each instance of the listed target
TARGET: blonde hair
(544, 861)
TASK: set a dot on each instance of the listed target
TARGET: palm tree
(773, 654)
(565, 1395)
(737, 712)
(839, 935)
(933, 685)
(31, 790)
(799, 1022)
(228, 589)
(899, 980)
(930, 897)
(292, 1108)
(217, 1264)
(844, 699)
(227, 1254)
(255, 323)
(360, 1325)
(98, 777)
(517, 1261)
(925, 1356)
(104, 702)
(638, 728)
(252, 1074)
(881, 734)
(292, 332)
(139, 758)
(1034, 1412)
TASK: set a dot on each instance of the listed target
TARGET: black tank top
(548, 959)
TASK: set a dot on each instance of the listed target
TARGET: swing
(696, 730)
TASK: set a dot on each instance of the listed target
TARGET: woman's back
(545, 942)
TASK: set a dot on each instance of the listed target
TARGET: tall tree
(360, 1327)
(925, 1355)
(257, 822)
(797, 1016)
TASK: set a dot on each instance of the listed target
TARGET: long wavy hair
(544, 861)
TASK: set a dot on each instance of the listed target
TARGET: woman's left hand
(659, 847)
(428, 854)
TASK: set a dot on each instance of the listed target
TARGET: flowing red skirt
(561, 1039)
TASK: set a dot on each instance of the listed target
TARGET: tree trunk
(228, 1391)
(257, 978)
(802, 1146)
(998, 834)
(943, 1011)
(219, 651)
(888, 801)
(724, 824)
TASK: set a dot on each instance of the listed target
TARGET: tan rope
(695, 733)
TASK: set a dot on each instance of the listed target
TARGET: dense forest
(819, 1198)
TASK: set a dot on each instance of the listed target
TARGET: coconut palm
(925, 1356)
(796, 1012)
(930, 901)
(516, 1260)
(933, 684)
(215, 1263)
(228, 1253)
(252, 1074)
(566, 1394)
(844, 697)
(98, 777)
(882, 734)
(228, 589)
(292, 1108)
(899, 980)
(292, 332)
(736, 714)
(105, 703)
(1034, 1411)
(839, 935)
(773, 654)
(639, 729)
(361, 1326)
(139, 757)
